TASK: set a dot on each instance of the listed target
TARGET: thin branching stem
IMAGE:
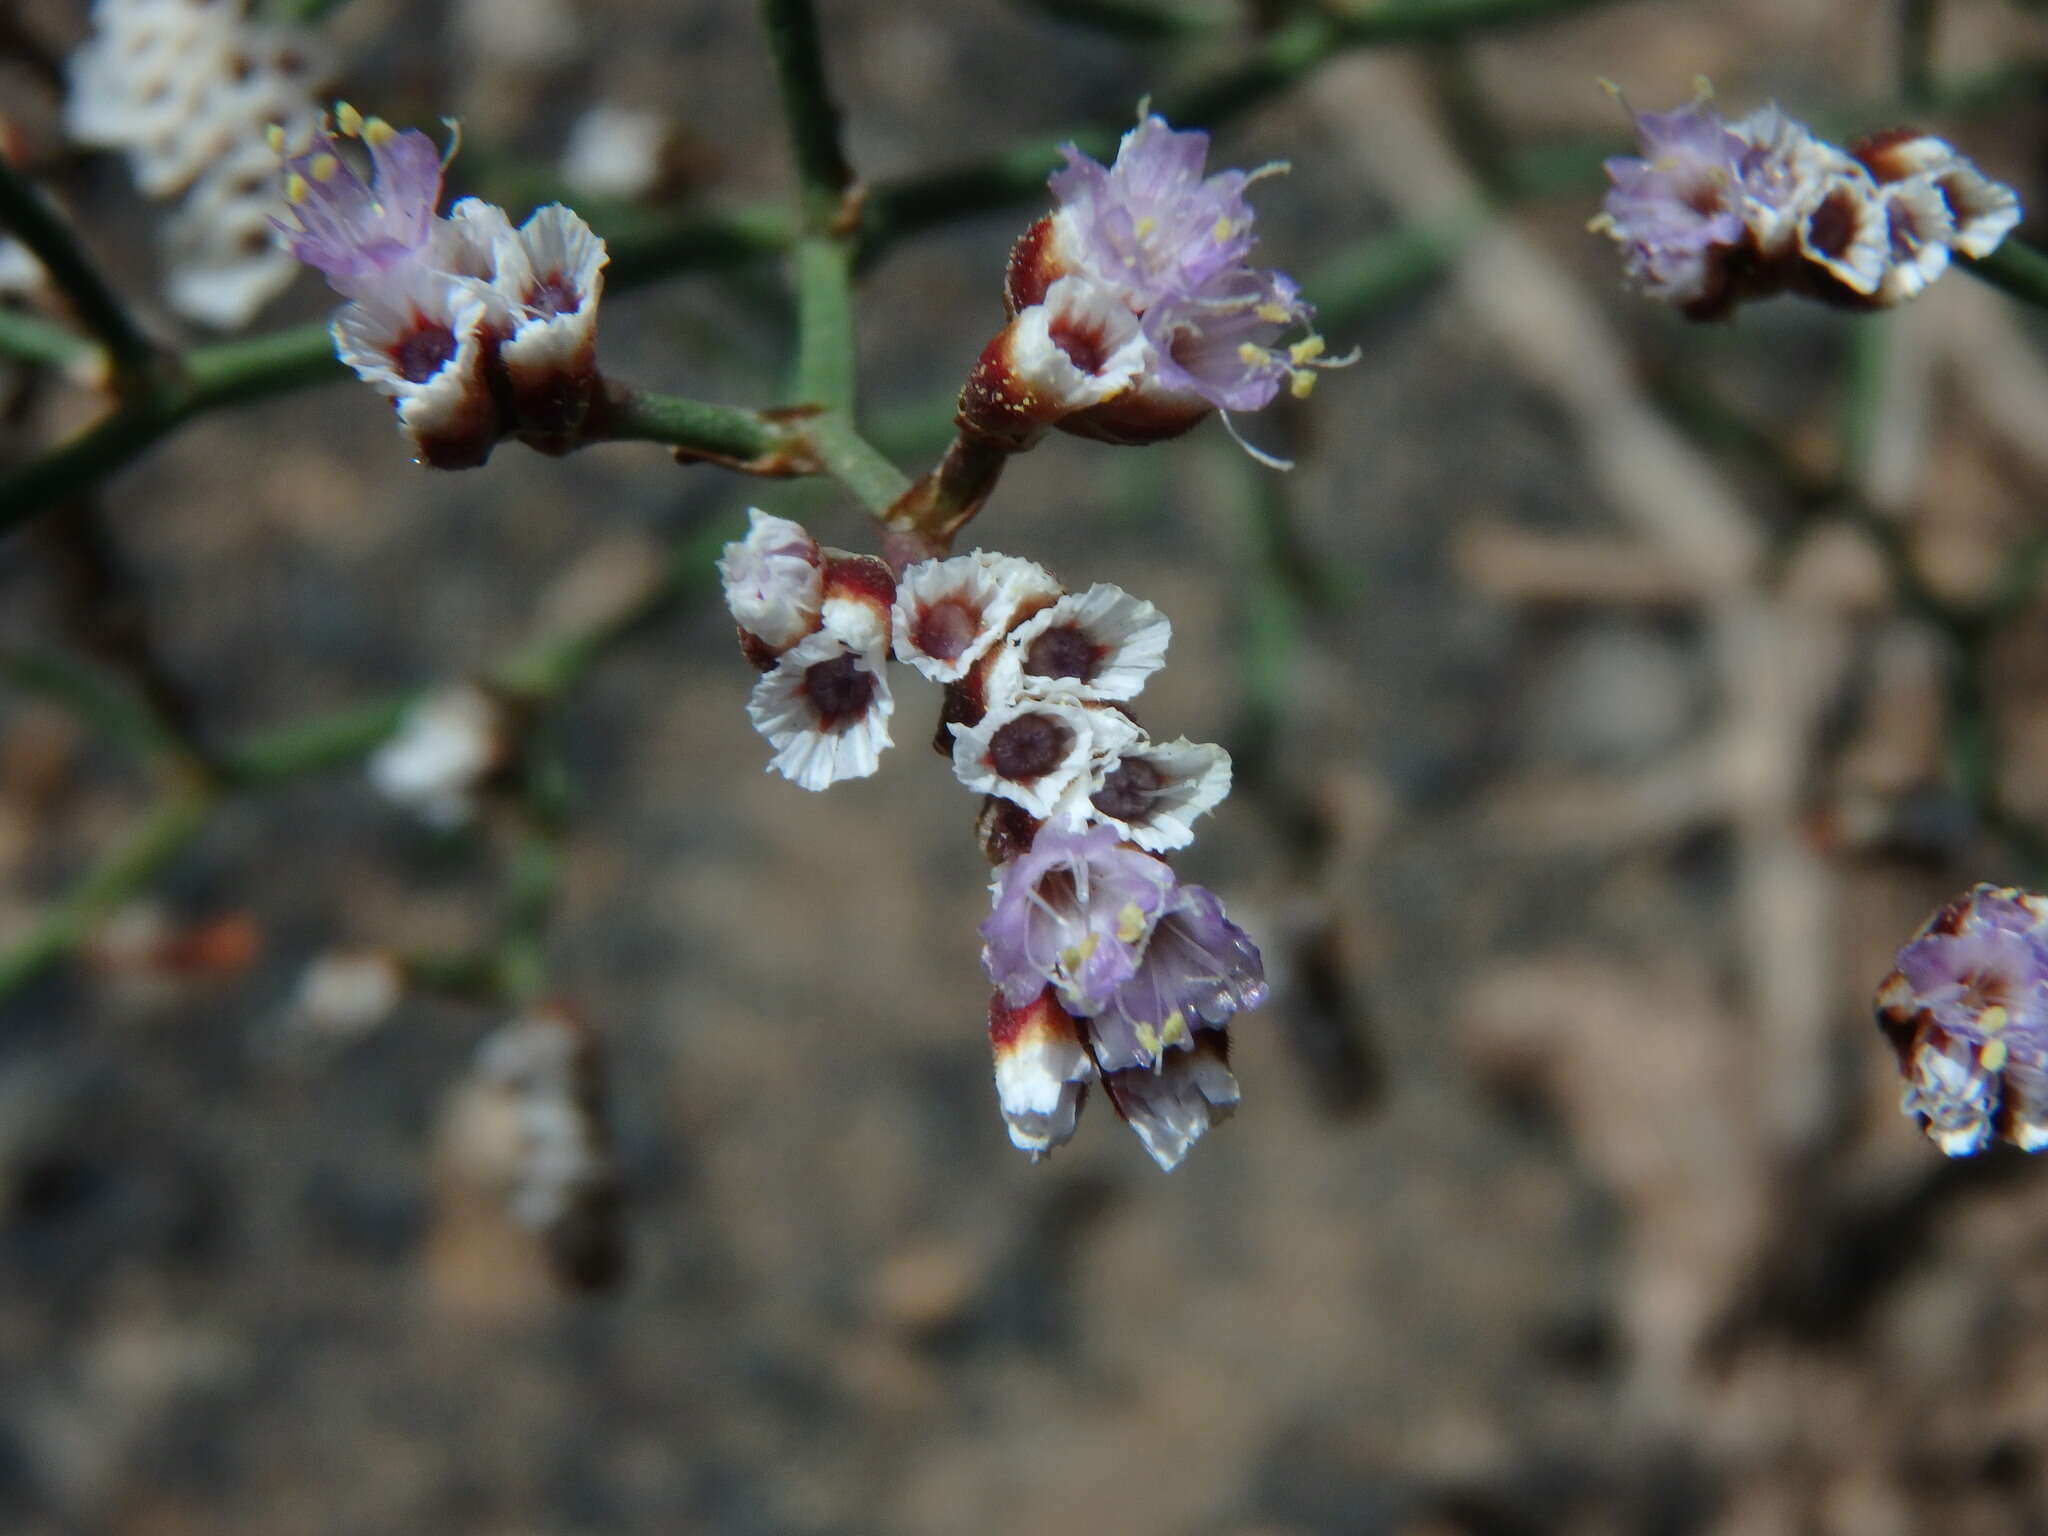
(31, 218)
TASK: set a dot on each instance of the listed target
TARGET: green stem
(89, 696)
(327, 742)
(25, 211)
(69, 924)
(1916, 52)
(34, 340)
(824, 356)
(856, 463)
(2016, 267)
(722, 432)
(1137, 19)
(807, 108)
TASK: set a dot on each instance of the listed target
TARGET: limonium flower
(1713, 212)
(356, 231)
(1136, 310)
(1967, 1010)
(474, 328)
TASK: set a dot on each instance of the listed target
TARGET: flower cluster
(185, 89)
(1134, 308)
(1106, 966)
(1716, 212)
(474, 328)
(1967, 1011)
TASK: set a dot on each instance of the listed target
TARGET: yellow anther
(1600, 224)
(377, 132)
(1146, 225)
(1993, 1019)
(1148, 1039)
(1991, 1055)
(1222, 229)
(324, 167)
(274, 137)
(1130, 923)
(1306, 348)
(348, 119)
(1301, 383)
(1273, 314)
(1702, 88)
(295, 188)
(1250, 355)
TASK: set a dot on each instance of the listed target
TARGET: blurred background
(1611, 696)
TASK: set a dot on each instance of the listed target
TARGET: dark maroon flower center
(1083, 344)
(423, 351)
(1833, 224)
(1063, 651)
(839, 690)
(1029, 747)
(945, 629)
(553, 295)
(1127, 791)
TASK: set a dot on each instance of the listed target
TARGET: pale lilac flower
(356, 231)
(1151, 792)
(1099, 644)
(1151, 224)
(1197, 972)
(949, 612)
(825, 708)
(1074, 912)
(1042, 1071)
(1035, 751)
(1676, 210)
(1171, 1109)
(1967, 1011)
(774, 581)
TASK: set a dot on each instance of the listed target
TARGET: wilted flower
(1967, 1011)
(1173, 1107)
(1042, 1070)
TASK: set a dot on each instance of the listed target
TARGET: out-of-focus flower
(1967, 1011)
(186, 90)
(1713, 212)
(615, 151)
(449, 746)
(345, 994)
